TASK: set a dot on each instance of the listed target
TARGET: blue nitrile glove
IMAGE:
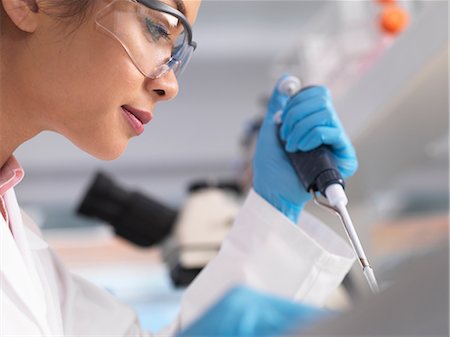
(308, 121)
(244, 312)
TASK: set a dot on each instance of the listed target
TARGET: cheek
(96, 123)
(98, 81)
(109, 76)
(99, 77)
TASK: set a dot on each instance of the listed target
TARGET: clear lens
(155, 41)
(184, 59)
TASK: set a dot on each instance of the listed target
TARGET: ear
(23, 13)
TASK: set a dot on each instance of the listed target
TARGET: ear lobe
(23, 13)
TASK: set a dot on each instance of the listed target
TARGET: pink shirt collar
(11, 173)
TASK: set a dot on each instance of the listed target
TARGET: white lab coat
(39, 296)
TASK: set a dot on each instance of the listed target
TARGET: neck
(16, 124)
(13, 131)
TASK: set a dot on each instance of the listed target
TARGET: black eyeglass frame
(163, 7)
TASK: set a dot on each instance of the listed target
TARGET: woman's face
(78, 82)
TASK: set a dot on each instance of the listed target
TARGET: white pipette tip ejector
(337, 198)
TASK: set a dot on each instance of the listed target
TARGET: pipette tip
(370, 276)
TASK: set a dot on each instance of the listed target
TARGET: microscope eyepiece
(138, 218)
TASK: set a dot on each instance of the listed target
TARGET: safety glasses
(156, 36)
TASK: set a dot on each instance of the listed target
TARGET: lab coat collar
(34, 241)
(18, 272)
(34, 238)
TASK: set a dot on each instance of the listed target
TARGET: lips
(143, 116)
(136, 118)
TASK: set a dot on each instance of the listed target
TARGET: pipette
(318, 173)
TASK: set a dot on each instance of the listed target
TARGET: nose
(164, 88)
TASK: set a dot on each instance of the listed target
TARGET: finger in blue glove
(309, 120)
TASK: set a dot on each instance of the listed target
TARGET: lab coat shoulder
(267, 251)
(81, 308)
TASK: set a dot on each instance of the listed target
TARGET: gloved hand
(244, 312)
(308, 121)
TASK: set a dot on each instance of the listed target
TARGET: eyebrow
(180, 6)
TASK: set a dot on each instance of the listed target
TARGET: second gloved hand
(244, 312)
(308, 121)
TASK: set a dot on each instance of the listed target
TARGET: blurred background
(386, 63)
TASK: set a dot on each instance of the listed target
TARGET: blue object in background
(244, 312)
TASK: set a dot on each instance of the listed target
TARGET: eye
(157, 31)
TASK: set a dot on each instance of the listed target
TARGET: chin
(110, 155)
(108, 152)
(103, 148)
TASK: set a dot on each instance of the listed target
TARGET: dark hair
(67, 9)
(63, 10)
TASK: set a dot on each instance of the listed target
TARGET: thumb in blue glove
(308, 121)
(244, 312)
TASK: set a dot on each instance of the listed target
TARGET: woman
(93, 71)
